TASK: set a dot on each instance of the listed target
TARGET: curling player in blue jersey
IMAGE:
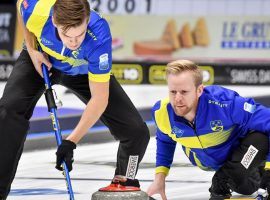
(219, 131)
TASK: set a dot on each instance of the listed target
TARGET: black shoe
(126, 181)
(131, 182)
(219, 189)
(259, 197)
(262, 194)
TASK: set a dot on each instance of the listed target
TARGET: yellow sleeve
(162, 169)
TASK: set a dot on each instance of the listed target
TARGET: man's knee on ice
(245, 184)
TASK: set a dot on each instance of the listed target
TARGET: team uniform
(93, 56)
(92, 61)
(229, 134)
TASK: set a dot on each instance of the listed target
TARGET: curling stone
(116, 191)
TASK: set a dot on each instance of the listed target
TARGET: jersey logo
(249, 107)
(46, 42)
(222, 105)
(76, 52)
(216, 125)
(104, 61)
(178, 132)
(92, 35)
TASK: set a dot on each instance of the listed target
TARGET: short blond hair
(179, 66)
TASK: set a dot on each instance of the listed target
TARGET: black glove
(265, 181)
(65, 153)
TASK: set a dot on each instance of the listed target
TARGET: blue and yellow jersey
(93, 57)
(222, 118)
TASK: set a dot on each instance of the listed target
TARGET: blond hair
(70, 13)
(179, 66)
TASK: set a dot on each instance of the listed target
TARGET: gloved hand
(65, 153)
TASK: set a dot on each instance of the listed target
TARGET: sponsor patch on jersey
(249, 156)
(92, 35)
(222, 105)
(177, 131)
(25, 4)
(132, 166)
(104, 61)
(46, 41)
(249, 107)
(216, 125)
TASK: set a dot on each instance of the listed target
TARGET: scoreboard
(122, 6)
(182, 7)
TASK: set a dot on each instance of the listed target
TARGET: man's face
(74, 36)
(183, 93)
